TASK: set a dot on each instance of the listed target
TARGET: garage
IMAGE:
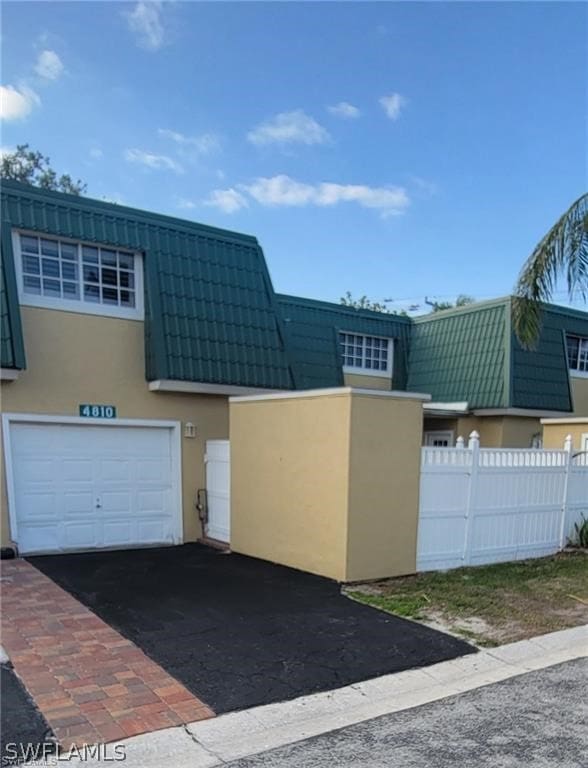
(83, 484)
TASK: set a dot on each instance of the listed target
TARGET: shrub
(580, 538)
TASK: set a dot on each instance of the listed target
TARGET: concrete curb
(240, 734)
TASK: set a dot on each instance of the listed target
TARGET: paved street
(538, 719)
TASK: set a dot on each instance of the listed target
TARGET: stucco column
(384, 474)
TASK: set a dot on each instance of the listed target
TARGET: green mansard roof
(210, 313)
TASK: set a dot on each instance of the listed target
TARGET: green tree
(462, 301)
(563, 252)
(31, 167)
(364, 303)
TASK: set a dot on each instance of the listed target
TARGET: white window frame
(360, 370)
(575, 372)
(78, 305)
(439, 434)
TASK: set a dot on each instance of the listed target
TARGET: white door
(78, 487)
(218, 483)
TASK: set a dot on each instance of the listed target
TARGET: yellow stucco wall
(367, 382)
(385, 455)
(327, 483)
(580, 395)
(555, 432)
(494, 431)
(78, 358)
(519, 431)
(289, 481)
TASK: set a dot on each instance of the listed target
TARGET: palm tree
(562, 252)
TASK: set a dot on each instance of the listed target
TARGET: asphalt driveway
(239, 632)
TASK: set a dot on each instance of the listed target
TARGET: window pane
(583, 355)
(29, 244)
(126, 260)
(71, 290)
(69, 271)
(49, 248)
(127, 279)
(127, 298)
(107, 258)
(69, 251)
(91, 293)
(31, 264)
(109, 296)
(90, 255)
(573, 344)
(109, 276)
(50, 268)
(51, 288)
(32, 285)
(91, 274)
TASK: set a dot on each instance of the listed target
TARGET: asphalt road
(22, 727)
(537, 720)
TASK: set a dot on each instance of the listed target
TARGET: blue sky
(392, 149)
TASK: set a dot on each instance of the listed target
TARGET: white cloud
(203, 144)
(227, 200)
(282, 190)
(289, 128)
(392, 105)
(96, 153)
(49, 65)
(344, 109)
(17, 103)
(153, 161)
(185, 204)
(145, 23)
(6, 151)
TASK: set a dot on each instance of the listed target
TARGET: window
(366, 354)
(438, 438)
(577, 354)
(61, 274)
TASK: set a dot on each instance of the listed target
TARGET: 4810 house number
(93, 411)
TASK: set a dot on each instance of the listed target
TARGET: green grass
(516, 600)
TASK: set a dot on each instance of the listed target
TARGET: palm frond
(562, 252)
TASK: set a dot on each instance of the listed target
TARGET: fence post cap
(474, 441)
(568, 443)
(459, 443)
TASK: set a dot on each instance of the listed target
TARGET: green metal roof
(11, 339)
(472, 354)
(312, 333)
(540, 376)
(462, 354)
(210, 310)
(211, 315)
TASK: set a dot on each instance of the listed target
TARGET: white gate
(488, 505)
(218, 483)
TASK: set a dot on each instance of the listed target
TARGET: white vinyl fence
(488, 505)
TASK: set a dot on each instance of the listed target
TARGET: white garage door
(77, 487)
